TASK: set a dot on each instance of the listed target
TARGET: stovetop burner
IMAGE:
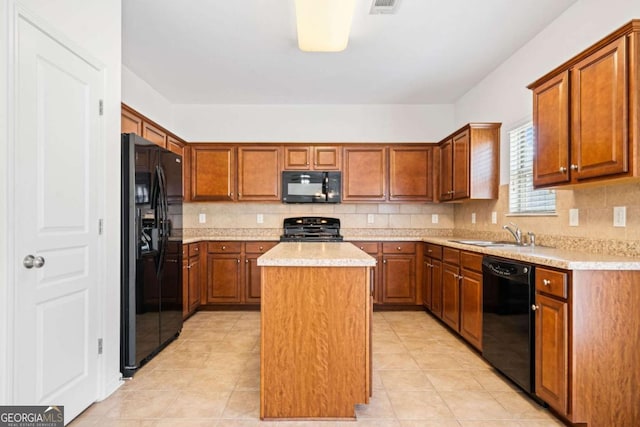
(311, 229)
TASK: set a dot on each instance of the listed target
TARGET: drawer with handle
(552, 282)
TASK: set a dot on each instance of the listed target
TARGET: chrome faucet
(515, 232)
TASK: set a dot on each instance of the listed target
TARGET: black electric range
(311, 229)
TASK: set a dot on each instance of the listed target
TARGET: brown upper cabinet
(316, 157)
(469, 163)
(364, 173)
(130, 122)
(154, 134)
(586, 114)
(213, 170)
(411, 173)
(259, 173)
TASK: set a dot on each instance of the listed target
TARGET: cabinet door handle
(384, 261)
(574, 167)
(224, 248)
(238, 260)
(399, 248)
(260, 248)
(546, 282)
(534, 307)
(563, 169)
(246, 261)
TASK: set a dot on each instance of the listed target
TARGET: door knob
(31, 261)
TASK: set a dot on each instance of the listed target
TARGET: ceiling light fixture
(324, 25)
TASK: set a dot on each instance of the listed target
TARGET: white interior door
(58, 135)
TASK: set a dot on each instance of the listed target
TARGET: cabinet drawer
(452, 256)
(471, 261)
(224, 247)
(552, 282)
(368, 247)
(194, 249)
(433, 251)
(258, 247)
(399, 247)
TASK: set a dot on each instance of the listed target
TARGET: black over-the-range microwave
(311, 187)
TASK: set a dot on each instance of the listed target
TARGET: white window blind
(522, 197)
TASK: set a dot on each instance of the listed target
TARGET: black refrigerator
(151, 256)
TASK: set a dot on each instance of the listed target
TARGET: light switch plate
(574, 217)
(494, 217)
(434, 218)
(473, 218)
(369, 218)
(260, 218)
(202, 218)
(619, 216)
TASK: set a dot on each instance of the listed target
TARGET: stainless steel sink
(486, 242)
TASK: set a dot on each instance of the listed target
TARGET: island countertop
(316, 254)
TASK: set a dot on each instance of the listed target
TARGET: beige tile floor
(423, 376)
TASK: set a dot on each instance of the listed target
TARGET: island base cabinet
(315, 342)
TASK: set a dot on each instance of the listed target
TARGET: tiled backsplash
(595, 231)
(351, 215)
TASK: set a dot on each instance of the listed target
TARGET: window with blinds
(523, 199)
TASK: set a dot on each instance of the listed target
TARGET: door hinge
(101, 107)
(100, 227)
(99, 345)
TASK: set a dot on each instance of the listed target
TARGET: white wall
(140, 96)
(503, 96)
(314, 123)
(95, 27)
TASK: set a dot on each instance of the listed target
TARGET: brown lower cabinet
(471, 298)
(232, 272)
(399, 273)
(432, 279)
(191, 278)
(253, 250)
(373, 249)
(452, 290)
(396, 273)
(587, 361)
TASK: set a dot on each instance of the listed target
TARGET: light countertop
(568, 259)
(551, 257)
(314, 254)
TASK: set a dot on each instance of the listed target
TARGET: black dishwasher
(508, 341)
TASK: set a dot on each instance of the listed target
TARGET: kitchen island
(315, 357)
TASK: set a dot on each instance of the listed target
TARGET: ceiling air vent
(383, 6)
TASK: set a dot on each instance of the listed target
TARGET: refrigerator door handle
(161, 219)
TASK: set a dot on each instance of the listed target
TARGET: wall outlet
(574, 217)
(260, 218)
(620, 216)
(494, 217)
(434, 218)
(369, 218)
(202, 218)
(473, 218)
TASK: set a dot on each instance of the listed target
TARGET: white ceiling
(245, 51)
